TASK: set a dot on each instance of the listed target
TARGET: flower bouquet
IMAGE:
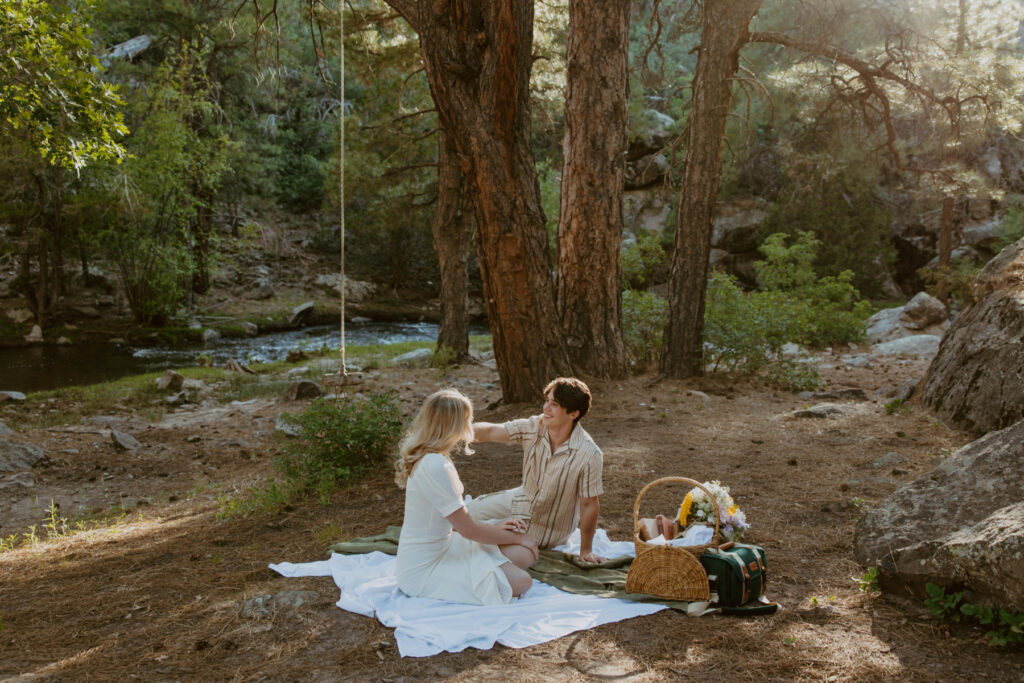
(697, 508)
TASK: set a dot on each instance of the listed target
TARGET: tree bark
(589, 287)
(477, 58)
(452, 230)
(724, 32)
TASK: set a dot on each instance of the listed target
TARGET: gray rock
(738, 231)
(823, 410)
(35, 336)
(262, 606)
(262, 289)
(86, 311)
(300, 312)
(907, 389)
(889, 460)
(19, 456)
(63, 341)
(860, 360)
(21, 480)
(178, 399)
(415, 358)
(966, 254)
(286, 427)
(961, 524)
(920, 345)
(5, 430)
(251, 329)
(923, 311)
(15, 396)
(301, 390)
(20, 315)
(170, 380)
(645, 171)
(887, 324)
(106, 420)
(984, 235)
(124, 441)
(210, 334)
(975, 381)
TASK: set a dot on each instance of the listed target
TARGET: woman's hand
(515, 525)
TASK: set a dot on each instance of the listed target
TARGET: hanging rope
(341, 173)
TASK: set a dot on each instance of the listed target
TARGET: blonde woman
(480, 564)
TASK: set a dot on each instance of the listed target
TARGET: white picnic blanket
(425, 627)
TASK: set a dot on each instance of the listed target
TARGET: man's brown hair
(570, 393)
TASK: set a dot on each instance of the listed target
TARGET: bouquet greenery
(697, 508)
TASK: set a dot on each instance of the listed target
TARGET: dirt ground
(156, 594)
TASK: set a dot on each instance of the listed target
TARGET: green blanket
(561, 570)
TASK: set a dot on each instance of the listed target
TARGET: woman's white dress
(433, 560)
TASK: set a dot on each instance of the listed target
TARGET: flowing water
(37, 368)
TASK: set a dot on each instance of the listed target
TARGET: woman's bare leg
(518, 579)
(520, 556)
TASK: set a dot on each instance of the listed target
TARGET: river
(37, 368)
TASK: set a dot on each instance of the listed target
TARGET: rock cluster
(976, 381)
(960, 526)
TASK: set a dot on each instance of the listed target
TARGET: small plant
(268, 497)
(868, 583)
(339, 442)
(643, 320)
(894, 406)
(445, 359)
(55, 525)
(1007, 624)
(640, 259)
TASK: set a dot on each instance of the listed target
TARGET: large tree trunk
(724, 31)
(477, 57)
(452, 229)
(590, 222)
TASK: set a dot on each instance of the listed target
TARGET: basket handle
(676, 480)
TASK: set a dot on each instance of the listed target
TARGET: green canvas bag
(738, 573)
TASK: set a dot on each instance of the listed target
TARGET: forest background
(147, 144)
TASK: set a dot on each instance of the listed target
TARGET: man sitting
(561, 470)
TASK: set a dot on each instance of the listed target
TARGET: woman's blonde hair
(445, 419)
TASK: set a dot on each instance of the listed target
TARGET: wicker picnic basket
(666, 571)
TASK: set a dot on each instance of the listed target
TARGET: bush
(340, 441)
(643, 321)
(640, 259)
(745, 331)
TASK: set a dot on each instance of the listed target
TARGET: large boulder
(960, 526)
(976, 381)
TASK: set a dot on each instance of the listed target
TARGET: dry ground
(156, 595)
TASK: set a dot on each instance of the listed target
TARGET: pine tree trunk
(452, 229)
(589, 284)
(477, 57)
(724, 32)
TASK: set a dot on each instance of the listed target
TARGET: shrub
(640, 259)
(643, 321)
(340, 441)
(745, 331)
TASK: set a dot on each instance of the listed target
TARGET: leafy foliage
(643, 322)
(50, 88)
(746, 331)
(640, 259)
(1007, 624)
(340, 441)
